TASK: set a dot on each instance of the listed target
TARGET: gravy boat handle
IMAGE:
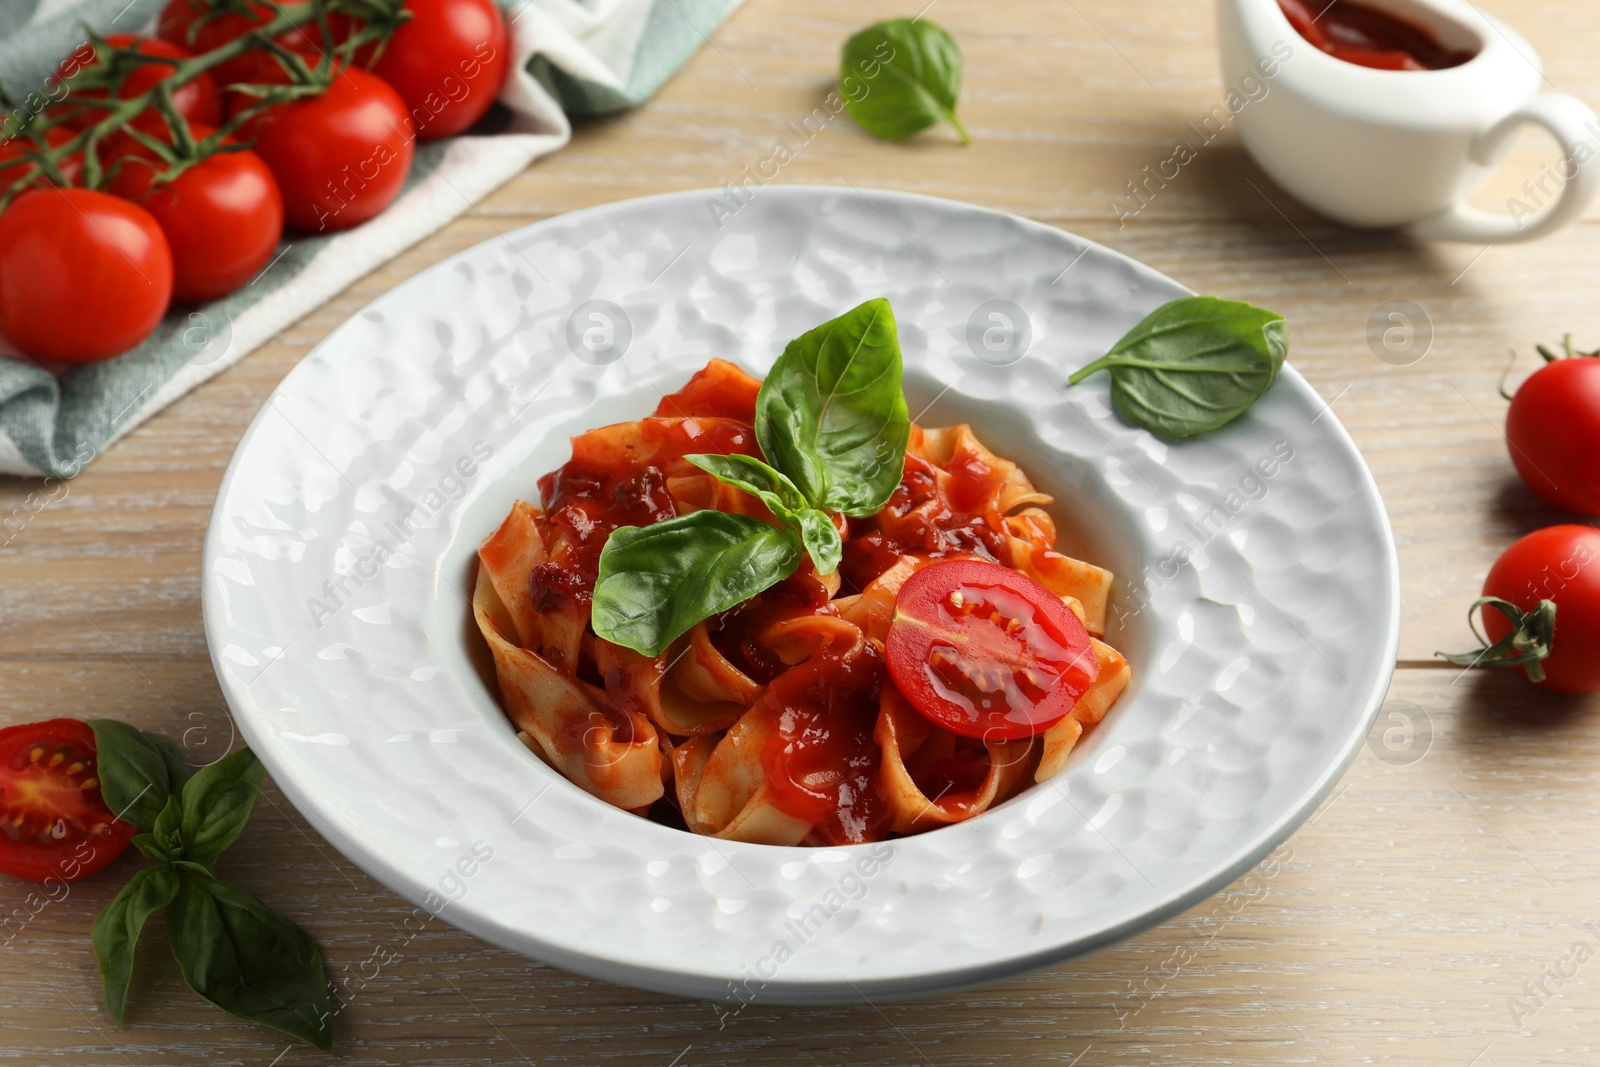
(1577, 129)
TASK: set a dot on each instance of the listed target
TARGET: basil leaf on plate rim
(1194, 364)
(232, 949)
(901, 76)
(831, 418)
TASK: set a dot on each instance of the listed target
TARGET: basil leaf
(164, 842)
(900, 77)
(137, 770)
(822, 541)
(117, 928)
(783, 499)
(831, 414)
(217, 803)
(657, 581)
(248, 960)
(1193, 365)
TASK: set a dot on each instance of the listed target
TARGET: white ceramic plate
(340, 552)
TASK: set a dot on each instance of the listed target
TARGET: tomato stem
(1532, 637)
(113, 65)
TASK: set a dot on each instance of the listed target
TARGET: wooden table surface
(1433, 912)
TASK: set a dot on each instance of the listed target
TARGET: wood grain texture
(1412, 922)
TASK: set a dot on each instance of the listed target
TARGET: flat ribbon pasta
(617, 758)
(775, 722)
(913, 747)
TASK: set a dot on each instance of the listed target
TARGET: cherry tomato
(986, 651)
(17, 148)
(223, 216)
(84, 275)
(339, 158)
(1553, 428)
(183, 23)
(1559, 563)
(447, 62)
(195, 100)
(55, 822)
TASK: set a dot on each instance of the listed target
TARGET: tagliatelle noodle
(774, 722)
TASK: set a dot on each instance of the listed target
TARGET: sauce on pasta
(776, 721)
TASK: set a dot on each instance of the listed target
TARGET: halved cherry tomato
(340, 158)
(447, 62)
(193, 25)
(84, 275)
(223, 216)
(53, 820)
(986, 651)
(195, 100)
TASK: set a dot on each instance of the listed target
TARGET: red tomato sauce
(921, 521)
(1368, 37)
(823, 765)
(617, 478)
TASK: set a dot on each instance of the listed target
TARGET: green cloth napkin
(572, 59)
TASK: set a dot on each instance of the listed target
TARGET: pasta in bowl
(781, 612)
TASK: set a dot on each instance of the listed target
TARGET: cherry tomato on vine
(14, 166)
(447, 62)
(222, 216)
(55, 822)
(340, 158)
(1553, 429)
(195, 100)
(184, 22)
(84, 275)
(986, 651)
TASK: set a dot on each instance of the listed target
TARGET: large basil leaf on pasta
(1194, 364)
(831, 414)
(784, 499)
(657, 581)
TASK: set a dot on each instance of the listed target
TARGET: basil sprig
(232, 949)
(899, 77)
(1193, 365)
(783, 498)
(832, 420)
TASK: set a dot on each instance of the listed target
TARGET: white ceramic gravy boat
(1377, 149)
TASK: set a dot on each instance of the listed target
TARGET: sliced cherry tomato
(223, 216)
(195, 100)
(986, 651)
(447, 62)
(55, 822)
(14, 153)
(84, 275)
(1561, 564)
(191, 24)
(340, 158)
(1553, 428)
